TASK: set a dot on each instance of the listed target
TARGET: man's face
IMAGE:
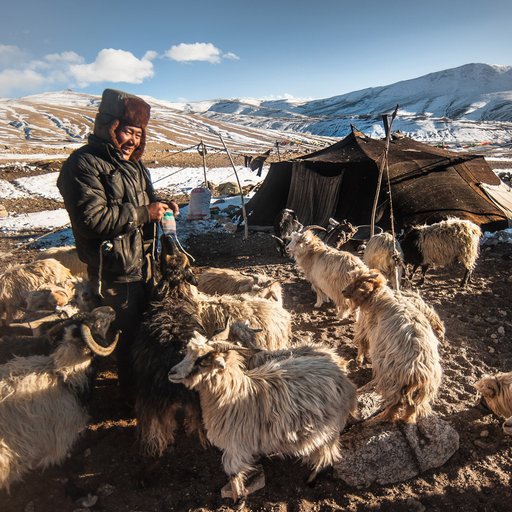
(128, 138)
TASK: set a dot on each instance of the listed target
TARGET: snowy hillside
(468, 104)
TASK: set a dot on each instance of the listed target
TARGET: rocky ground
(105, 464)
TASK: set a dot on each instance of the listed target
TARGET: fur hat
(116, 108)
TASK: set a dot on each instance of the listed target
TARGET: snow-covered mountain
(468, 104)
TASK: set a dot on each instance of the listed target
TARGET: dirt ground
(105, 462)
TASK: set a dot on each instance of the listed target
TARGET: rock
(386, 453)
(3, 211)
(106, 490)
(228, 189)
(501, 330)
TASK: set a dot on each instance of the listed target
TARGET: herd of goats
(215, 349)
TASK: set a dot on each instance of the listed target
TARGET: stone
(3, 211)
(384, 453)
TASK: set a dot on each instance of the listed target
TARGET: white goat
(227, 281)
(402, 347)
(42, 408)
(328, 270)
(18, 281)
(293, 404)
(443, 243)
(496, 390)
(364, 324)
(273, 321)
(384, 255)
(68, 256)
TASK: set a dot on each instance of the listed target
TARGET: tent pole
(244, 214)
(387, 125)
(203, 154)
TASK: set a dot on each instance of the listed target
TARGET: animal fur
(402, 347)
(425, 312)
(224, 281)
(296, 403)
(442, 244)
(18, 281)
(43, 398)
(68, 256)
(496, 390)
(328, 270)
(382, 254)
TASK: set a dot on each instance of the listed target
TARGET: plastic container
(199, 205)
(169, 223)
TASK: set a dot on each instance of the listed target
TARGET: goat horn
(277, 238)
(222, 346)
(85, 331)
(313, 226)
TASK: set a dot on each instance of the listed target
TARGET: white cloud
(113, 66)
(25, 80)
(204, 52)
(10, 55)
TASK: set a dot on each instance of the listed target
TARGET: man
(113, 210)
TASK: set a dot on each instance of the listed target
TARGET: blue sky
(207, 49)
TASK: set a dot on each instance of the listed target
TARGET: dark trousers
(129, 300)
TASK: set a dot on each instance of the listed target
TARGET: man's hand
(156, 211)
(173, 205)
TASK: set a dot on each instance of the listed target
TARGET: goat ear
(190, 277)
(489, 387)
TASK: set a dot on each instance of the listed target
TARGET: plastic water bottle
(169, 223)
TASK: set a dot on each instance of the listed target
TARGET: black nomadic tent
(428, 184)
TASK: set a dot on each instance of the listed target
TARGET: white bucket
(199, 206)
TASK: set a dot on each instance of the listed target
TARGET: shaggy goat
(443, 243)
(272, 320)
(382, 254)
(175, 312)
(168, 324)
(43, 397)
(328, 270)
(68, 256)
(227, 281)
(496, 390)
(296, 403)
(19, 280)
(425, 311)
(402, 347)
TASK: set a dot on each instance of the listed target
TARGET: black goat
(168, 324)
(285, 223)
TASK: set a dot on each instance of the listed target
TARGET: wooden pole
(244, 214)
(203, 154)
(277, 147)
(383, 165)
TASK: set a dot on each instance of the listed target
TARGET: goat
(442, 243)
(415, 300)
(227, 281)
(328, 270)
(169, 323)
(285, 223)
(384, 255)
(402, 346)
(496, 391)
(296, 403)
(43, 397)
(68, 256)
(272, 320)
(176, 311)
(339, 233)
(18, 281)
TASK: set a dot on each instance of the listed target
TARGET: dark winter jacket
(107, 198)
